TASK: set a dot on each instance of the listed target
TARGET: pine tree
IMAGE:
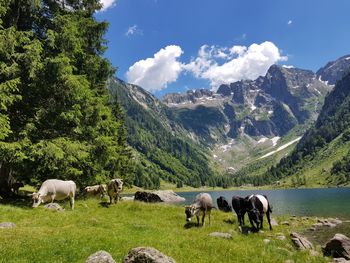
(56, 119)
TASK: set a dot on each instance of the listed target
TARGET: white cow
(114, 187)
(54, 189)
(95, 190)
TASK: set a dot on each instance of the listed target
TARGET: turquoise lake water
(326, 202)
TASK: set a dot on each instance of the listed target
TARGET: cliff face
(334, 70)
(268, 106)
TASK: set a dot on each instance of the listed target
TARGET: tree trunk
(6, 180)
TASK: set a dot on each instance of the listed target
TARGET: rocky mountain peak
(334, 70)
(188, 96)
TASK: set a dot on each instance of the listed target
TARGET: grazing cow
(256, 206)
(15, 186)
(114, 187)
(95, 190)
(238, 205)
(223, 204)
(54, 189)
(202, 205)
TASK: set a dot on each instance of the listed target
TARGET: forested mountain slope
(326, 142)
(163, 148)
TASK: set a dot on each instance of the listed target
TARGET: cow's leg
(268, 219)
(52, 198)
(117, 199)
(261, 217)
(251, 222)
(71, 201)
(197, 220)
(110, 199)
(209, 215)
(203, 216)
(240, 219)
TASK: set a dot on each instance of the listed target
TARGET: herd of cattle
(54, 189)
(255, 205)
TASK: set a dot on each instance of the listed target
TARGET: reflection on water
(304, 202)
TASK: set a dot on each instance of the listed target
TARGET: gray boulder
(100, 257)
(340, 260)
(169, 196)
(266, 241)
(54, 206)
(7, 225)
(338, 247)
(127, 198)
(147, 255)
(274, 222)
(301, 242)
(221, 235)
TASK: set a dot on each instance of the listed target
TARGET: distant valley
(245, 122)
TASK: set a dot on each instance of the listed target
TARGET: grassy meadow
(43, 235)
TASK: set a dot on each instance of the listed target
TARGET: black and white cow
(223, 205)
(239, 206)
(257, 206)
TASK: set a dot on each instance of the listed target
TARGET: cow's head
(254, 214)
(190, 211)
(119, 184)
(37, 200)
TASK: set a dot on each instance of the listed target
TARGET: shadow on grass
(104, 204)
(246, 230)
(190, 225)
(21, 201)
(229, 221)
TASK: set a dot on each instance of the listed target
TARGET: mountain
(247, 119)
(163, 149)
(238, 131)
(268, 106)
(334, 70)
(322, 156)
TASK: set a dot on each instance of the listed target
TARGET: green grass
(71, 236)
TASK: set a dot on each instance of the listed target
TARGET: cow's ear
(31, 194)
(187, 206)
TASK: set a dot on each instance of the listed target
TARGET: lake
(326, 202)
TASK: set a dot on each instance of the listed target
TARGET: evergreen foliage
(163, 149)
(55, 117)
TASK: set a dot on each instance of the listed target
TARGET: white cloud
(240, 62)
(107, 4)
(133, 30)
(155, 73)
(289, 22)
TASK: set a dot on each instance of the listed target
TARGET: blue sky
(174, 45)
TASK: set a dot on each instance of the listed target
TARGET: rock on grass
(221, 235)
(301, 242)
(338, 247)
(147, 255)
(100, 257)
(7, 225)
